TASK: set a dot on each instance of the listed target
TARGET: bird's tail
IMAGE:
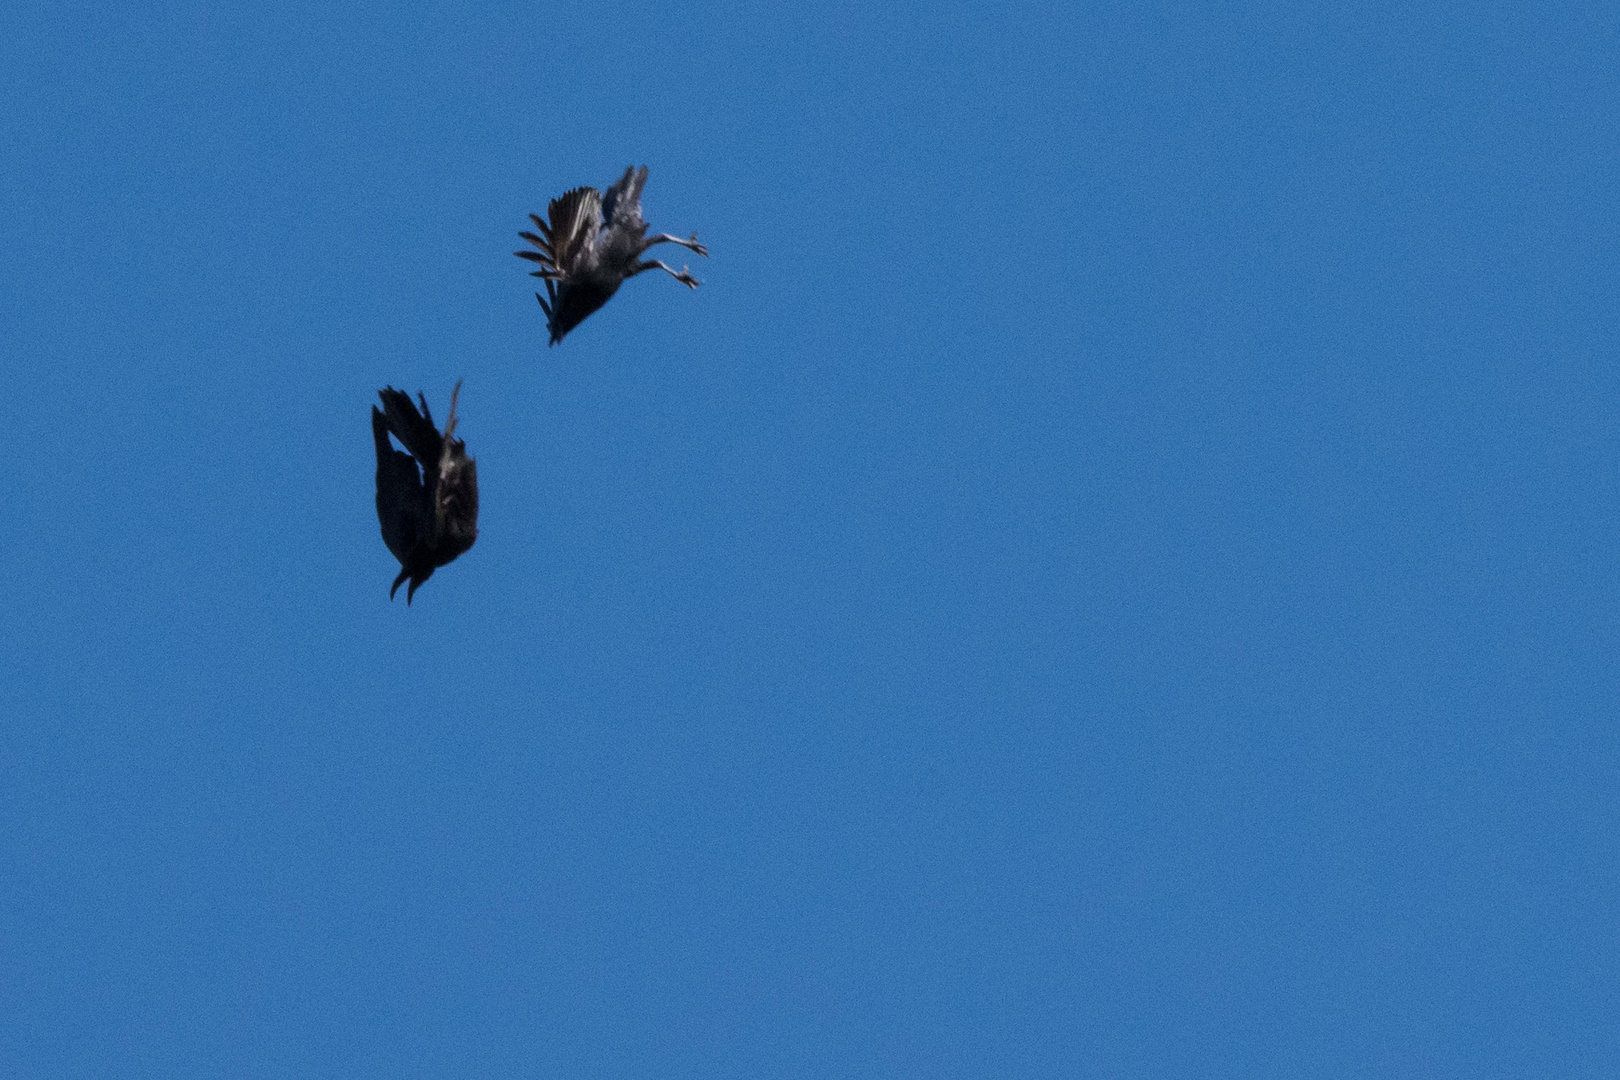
(413, 429)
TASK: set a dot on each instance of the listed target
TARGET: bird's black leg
(666, 238)
(684, 276)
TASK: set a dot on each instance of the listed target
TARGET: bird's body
(427, 499)
(592, 243)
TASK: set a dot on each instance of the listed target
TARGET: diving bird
(592, 243)
(427, 499)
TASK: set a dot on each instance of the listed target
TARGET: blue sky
(1112, 575)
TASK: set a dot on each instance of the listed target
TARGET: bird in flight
(593, 242)
(427, 499)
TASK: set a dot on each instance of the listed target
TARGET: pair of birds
(427, 497)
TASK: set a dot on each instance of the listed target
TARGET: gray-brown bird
(591, 245)
(427, 499)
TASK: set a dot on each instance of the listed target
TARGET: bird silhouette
(427, 499)
(593, 242)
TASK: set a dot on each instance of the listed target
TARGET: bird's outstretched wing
(562, 243)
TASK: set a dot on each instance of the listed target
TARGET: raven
(593, 242)
(429, 515)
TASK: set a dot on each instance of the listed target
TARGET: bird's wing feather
(622, 203)
(400, 495)
(575, 219)
(413, 429)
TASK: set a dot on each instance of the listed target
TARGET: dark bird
(593, 242)
(429, 515)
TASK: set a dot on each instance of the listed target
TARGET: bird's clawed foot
(666, 238)
(683, 275)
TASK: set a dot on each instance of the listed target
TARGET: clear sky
(1112, 575)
